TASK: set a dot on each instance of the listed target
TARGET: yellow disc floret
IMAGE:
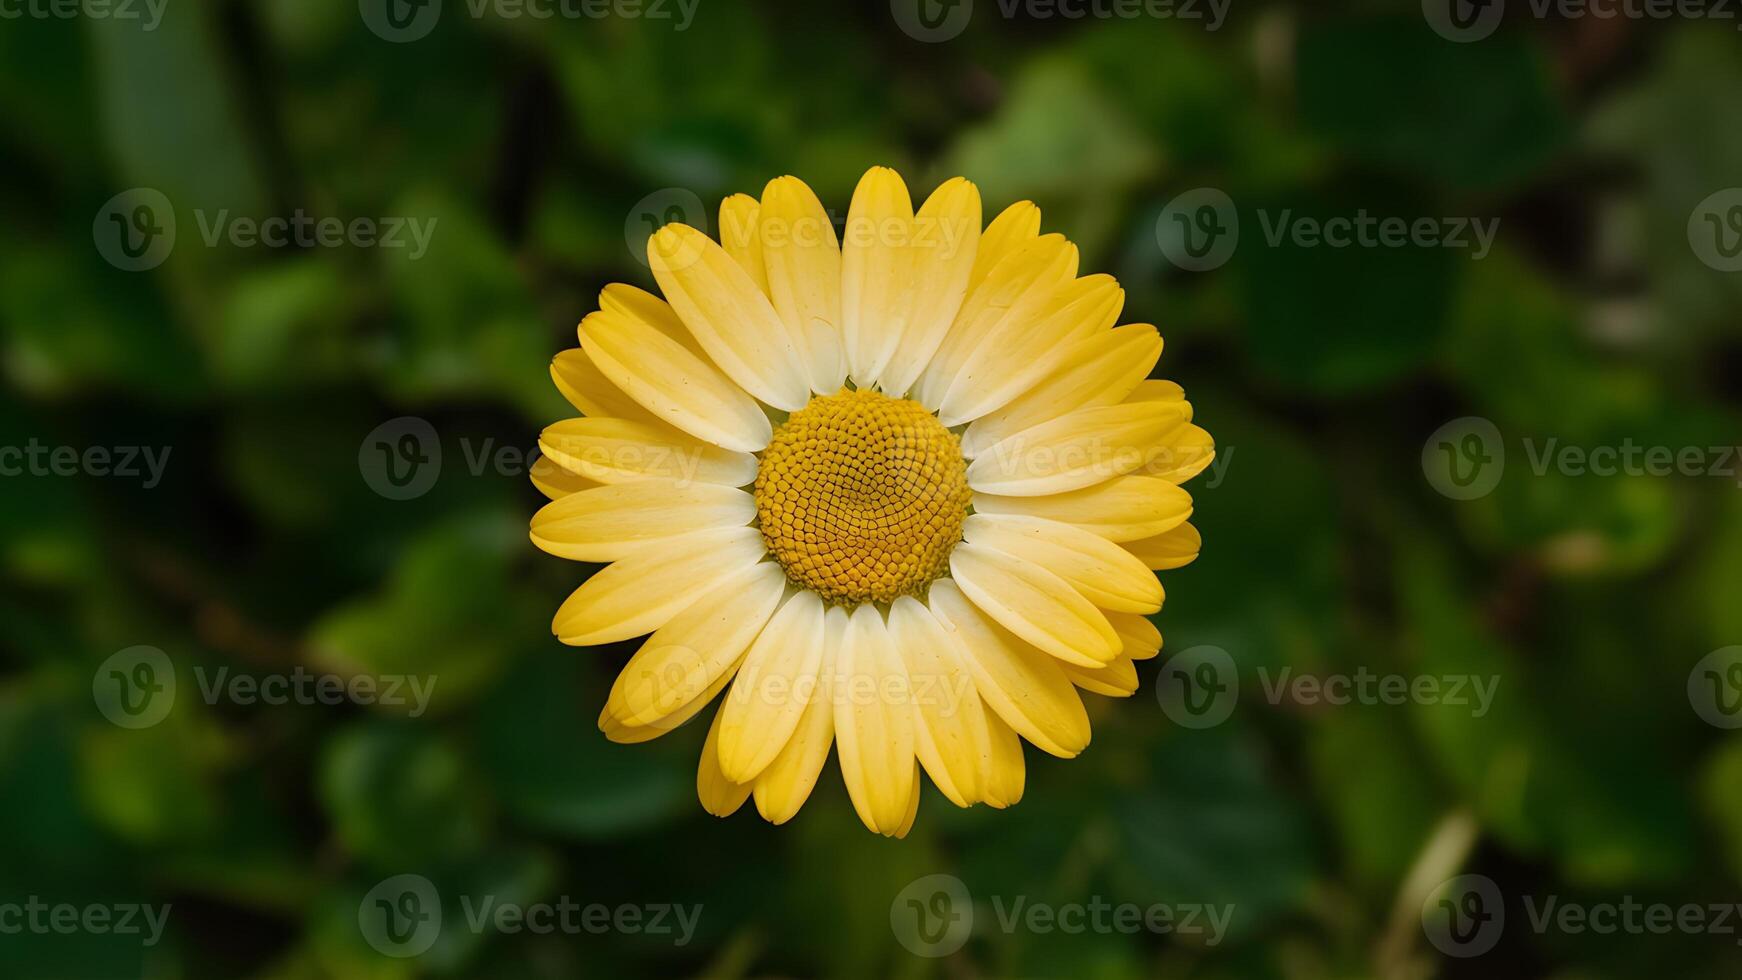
(862, 496)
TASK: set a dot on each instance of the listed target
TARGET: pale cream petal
(672, 383)
(1019, 353)
(1086, 447)
(1014, 227)
(1138, 637)
(729, 316)
(912, 805)
(649, 310)
(1027, 688)
(1126, 509)
(773, 689)
(783, 787)
(950, 733)
(946, 241)
(1002, 781)
(1037, 605)
(803, 261)
(642, 592)
(1016, 288)
(874, 724)
(587, 388)
(739, 216)
(1094, 371)
(720, 796)
(1169, 549)
(1103, 572)
(876, 273)
(610, 521)
(623, 734)
(687, 656)
(555, 482)
(1116, 680)
(619, 450)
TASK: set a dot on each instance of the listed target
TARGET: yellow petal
(874, 724)
(672, 383)
(687, 656)
(1015, 226)
(1096, 370)
(876, 272)
(729, 315)
(1002, 781)
(1180, 455)
(803, 261)
(946, 241)
(649, 310)
(587, 388)
(720, 796)
(739, 216)
(1019, 352)
(1116, 680)
(912, 806)
(1126, 509)
(1101, 571)
(555, 482)
(1027, 688)
(1169, 549)
(950, 733)
(623, 734)
(608, 522)
(642, 592)
(783, 787)
(618, 451)
(1156, 390)
(1086, 447)
(770, 695)
(1035, 604)
(1138, 637)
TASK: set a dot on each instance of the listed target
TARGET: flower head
(898, 492)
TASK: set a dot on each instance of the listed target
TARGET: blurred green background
(538, 147)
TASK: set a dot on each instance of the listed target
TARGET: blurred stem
(1446, 850)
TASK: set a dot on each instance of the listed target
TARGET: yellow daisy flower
(902, 491)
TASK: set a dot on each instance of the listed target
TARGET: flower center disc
(862, 496)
